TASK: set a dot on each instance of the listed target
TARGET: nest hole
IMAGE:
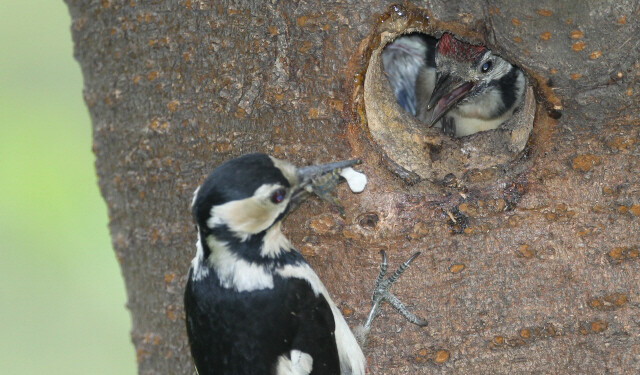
(417, 152)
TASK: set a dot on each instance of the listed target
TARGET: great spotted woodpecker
(475, 89)
(450, 84)
(253, 304)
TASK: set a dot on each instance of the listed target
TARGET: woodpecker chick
(475, 90)
(253, 304)
(404, 60)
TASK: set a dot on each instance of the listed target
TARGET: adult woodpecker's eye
(278, 195)
(486, 66)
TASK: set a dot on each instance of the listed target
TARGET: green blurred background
(62, 297)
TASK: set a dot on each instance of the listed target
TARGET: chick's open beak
(448, 91)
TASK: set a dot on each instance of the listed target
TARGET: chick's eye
(278, 195)
(486, 66)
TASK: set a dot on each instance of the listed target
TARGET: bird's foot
(381, 294)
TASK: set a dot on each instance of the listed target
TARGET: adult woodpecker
(410, 65)
(475, 90)
(253, 304)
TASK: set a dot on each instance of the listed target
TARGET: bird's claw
(381, 292)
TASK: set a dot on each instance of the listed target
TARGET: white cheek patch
(245, 217)
(356, 180)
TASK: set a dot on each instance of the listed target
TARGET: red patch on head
(458, 50)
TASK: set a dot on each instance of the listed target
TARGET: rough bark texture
(538, 274)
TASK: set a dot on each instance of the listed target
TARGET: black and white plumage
(475, 89)
(409, 62)
(253, 304)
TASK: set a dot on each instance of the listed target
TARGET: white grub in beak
(356, 180)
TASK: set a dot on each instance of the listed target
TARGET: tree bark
(536, 274)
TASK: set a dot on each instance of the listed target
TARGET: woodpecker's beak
(319, 179)
(448, 91)
(306, 175)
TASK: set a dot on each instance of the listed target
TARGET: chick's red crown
(458, 50)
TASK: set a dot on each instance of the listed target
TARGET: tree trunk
(535, 271)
